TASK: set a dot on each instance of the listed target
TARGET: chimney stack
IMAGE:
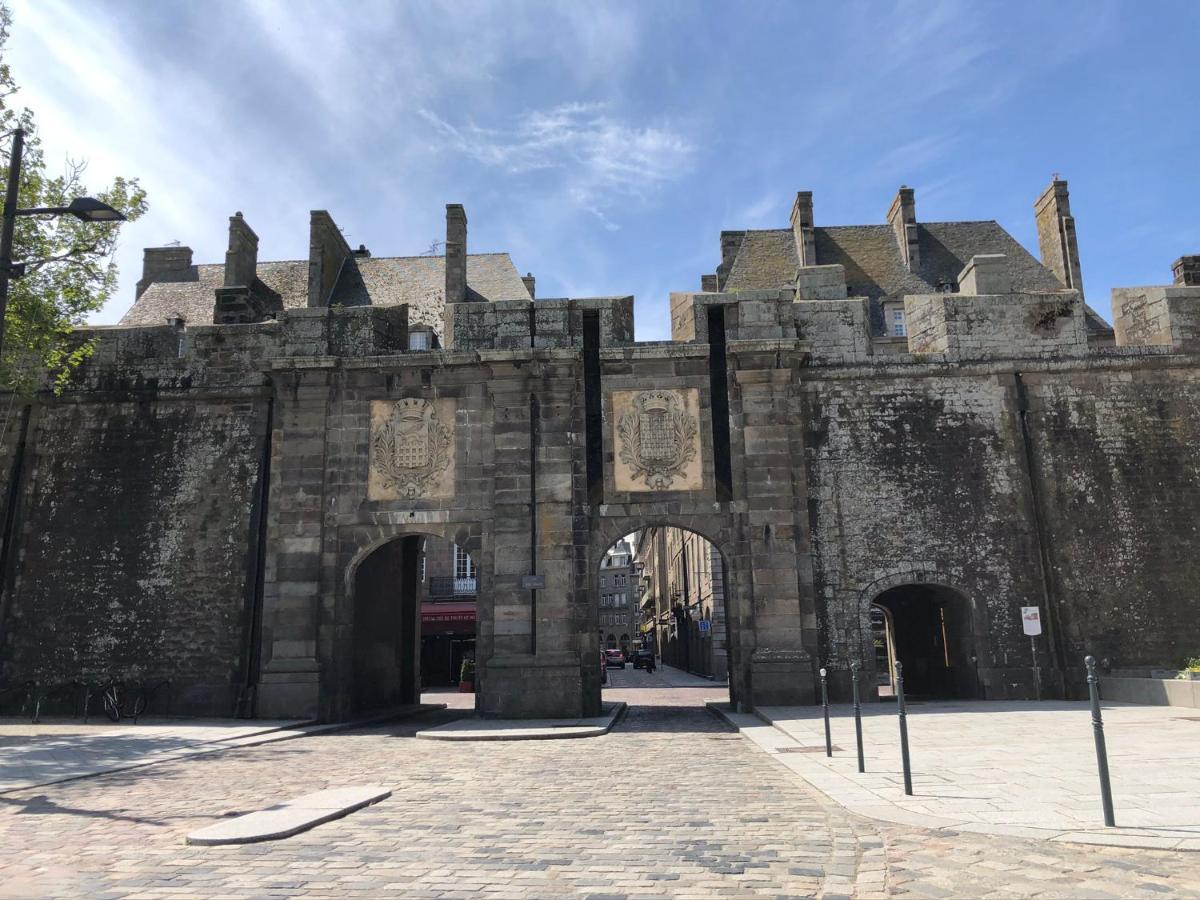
(1186, 270)
(1056, 234)
(241, 260)
(731, 243)
(327, 253)
(802, 228)
(530, 282)
(166, 264)
(456, 253)
(902, 216)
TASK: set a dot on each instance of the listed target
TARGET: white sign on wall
(1031, 620)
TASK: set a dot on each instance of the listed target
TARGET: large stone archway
(718, 531)
(342, 633)
(514, 467)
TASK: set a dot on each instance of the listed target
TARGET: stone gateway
(905, 429)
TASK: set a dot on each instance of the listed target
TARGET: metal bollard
(1098, 733)
(825, 704)
(854, 667)
(903, 729)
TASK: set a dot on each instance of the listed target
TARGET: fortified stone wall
(1006, 460)
(136, 559)
(1114, 456)
(915, 476)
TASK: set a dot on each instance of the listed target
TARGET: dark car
(643, 659)
(616, 659)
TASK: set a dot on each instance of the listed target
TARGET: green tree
(69, 267)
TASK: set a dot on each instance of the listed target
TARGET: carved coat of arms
(410, 449)
(657, 437)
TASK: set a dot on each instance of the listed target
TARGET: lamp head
(89, 209)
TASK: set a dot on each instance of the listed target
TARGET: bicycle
(121, 703)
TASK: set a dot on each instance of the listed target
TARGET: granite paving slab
(289, 818)
(475, 729)
(1003, 768)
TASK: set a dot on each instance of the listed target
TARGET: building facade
(234, 489)
(618, 588)
(684, 600)
(447, 589)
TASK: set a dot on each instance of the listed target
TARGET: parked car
(643, 658)
(603, 668)
(616, 659)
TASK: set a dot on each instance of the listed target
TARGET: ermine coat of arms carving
(657, 440)
(411, 451)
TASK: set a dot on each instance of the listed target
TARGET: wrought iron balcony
(441, 586)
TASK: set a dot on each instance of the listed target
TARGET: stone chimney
(731, 242)
(166, 264)
(708, 284)
(456, 253)
(243, 298)
(985, 273)
(902, 216)
(802, 228)
(1056, 234)
(241, 259)
(327, 254)
(1186, 270)
(530, 283)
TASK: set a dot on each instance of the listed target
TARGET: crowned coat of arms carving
(657, 440)
(411, 449)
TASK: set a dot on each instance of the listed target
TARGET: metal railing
(449, 586)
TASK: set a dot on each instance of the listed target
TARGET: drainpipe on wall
(1049, 594)
(8, 553)
(247, 702)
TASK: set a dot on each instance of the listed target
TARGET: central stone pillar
(779, 670)
(529, 659)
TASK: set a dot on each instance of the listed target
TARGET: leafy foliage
(69, 267)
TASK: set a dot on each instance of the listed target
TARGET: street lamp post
(86, 209)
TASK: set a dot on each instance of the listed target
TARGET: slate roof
(380, 281)
(767, 259)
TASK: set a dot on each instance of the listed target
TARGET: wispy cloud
(600, 159)
(604, 145)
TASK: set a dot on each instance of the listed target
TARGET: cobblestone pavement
(669, 804)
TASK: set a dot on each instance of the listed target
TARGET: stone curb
(768, 737)
(525, 729)
(271, 735)
(288, 818)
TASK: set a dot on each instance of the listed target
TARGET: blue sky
(606, 145)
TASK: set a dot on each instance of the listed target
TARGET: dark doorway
(387, 626)
(928, 629)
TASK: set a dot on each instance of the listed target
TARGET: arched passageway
(928, 628)
(387, 626)
(414, 620)
(661, 608)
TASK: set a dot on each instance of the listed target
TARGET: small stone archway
(932, 626)
(378, 638)
(718, 531)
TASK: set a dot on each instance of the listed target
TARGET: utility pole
(10, 222)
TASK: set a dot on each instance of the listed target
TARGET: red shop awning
(456, 617)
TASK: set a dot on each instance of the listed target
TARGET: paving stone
(527, 820)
